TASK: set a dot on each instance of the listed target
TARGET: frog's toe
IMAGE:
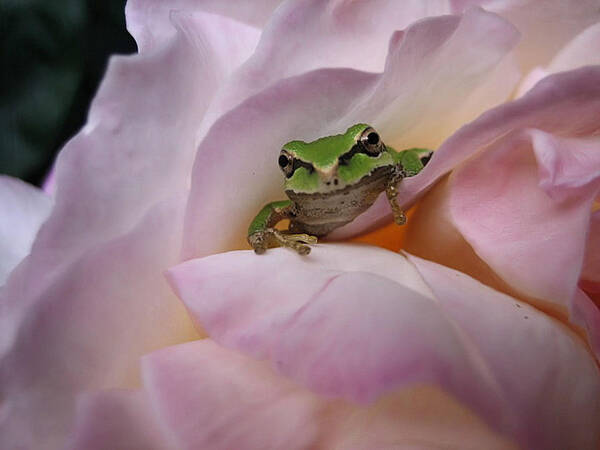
(303, 250)
(297, 242)
(302, 237)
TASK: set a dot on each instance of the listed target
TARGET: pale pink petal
(534, 359)
(49, 185)
(320, 34)
(216, 398)
(434, 77)
(23, 210)
(530, 80)
(116, 420)
(135, 150)
(220, 40)
(247, 140)
(583, 50)
(148, 21)
(591, 263)
(574, 94)
(525, 200)
(88, 329)
(547, 26)
(358, 335)
(586, 314)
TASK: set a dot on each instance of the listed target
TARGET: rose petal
(322, 34)
(581, 51)
(317, 328)
(574, 94)
(431, 74)
(591, 263)
(216, 398)
(249, 407)
(64, 342)
(122, 162)
(534, 363)
(325, 102)
(116, 420)
(546, 26)
(537, 218)
(150, 23)
(586, 314)
(24, 209)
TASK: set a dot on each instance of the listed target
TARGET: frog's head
(333, 162)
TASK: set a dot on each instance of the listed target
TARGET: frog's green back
(324, 152)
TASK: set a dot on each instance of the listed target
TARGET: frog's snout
(330, 179)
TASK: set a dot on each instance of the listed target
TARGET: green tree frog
(330, 182)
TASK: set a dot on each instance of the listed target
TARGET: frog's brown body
(319, 214)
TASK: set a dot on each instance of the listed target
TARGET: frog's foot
(261, 240)
(392, 194)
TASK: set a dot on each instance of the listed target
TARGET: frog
(331, 181)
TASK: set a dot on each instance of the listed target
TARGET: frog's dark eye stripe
(289, 164)
(297, 164)
(346, 157)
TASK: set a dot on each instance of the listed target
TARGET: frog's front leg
(410, 163)
(391, 192)
(263, 235)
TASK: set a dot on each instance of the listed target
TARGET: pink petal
(49, 184)
(151, 24)
(530, 356)
(148, 21)
(24, 209)
(123, 162)
(326, 101)
(88, 329)
(93, 281)
(586, 314)
(517, 208)
(581, 51)
(591, 263)
(116, 420)
(321, 34)
(348, 332)
(434, 77)
(574, 94)
(215, 398)
(534, 19)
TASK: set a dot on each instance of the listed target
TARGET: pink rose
(480, 334)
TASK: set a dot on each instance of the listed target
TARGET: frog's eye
(285, 161)
(371, 142)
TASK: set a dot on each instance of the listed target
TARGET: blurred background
(53, 56)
